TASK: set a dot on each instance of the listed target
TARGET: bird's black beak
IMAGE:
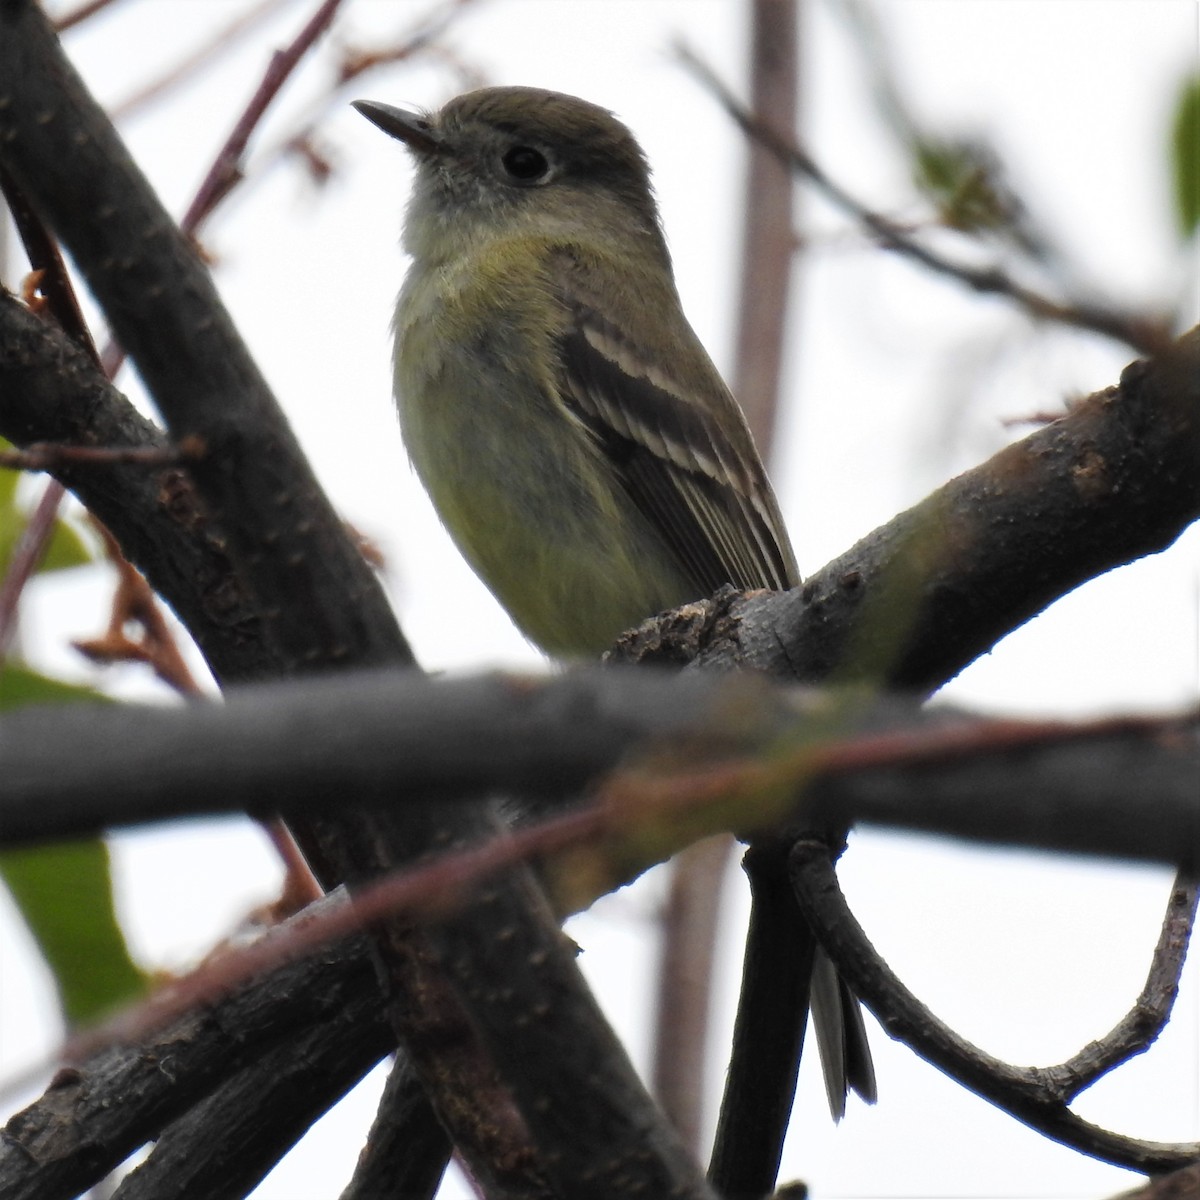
(411, 128)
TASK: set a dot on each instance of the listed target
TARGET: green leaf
(64, 892)
(20, 685)
(962, 178)
(12, 520)
(1185, 157)
(8, 480)
(65, 895)
(67, 547)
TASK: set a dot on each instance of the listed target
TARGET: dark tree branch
(95, 1115)
(456, 1067)
(924, 595)
(1056, 801)
(389, 737)
(928, 758)
(163, 308)
(51, 392)
(768, 1036)
(406, 1150)
(1033, 1095)
(612, 1143)
(1137, 1031)
(53, 281)
(1183, 1184)
(224, 1146)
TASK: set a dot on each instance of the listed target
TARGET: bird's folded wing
(687, 461)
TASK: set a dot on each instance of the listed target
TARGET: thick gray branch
(399, 741)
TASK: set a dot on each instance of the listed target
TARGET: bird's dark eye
(525, 164)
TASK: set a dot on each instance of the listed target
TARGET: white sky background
(896, 383)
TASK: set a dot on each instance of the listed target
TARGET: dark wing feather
(706, 492)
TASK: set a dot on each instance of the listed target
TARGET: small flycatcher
(572, 433)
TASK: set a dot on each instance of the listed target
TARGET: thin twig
(1031, 1094)
(30, 550)
(135, 603)
(1137, 1031)
(220, 42)
(82, 13)
(422, 33)
(683, 1003)
(421, 37)
(46, 456)
(324, 1008)
(1145, 334)
(50, 278)
(53, 282)
(300, 885)
(226, 170)
(417, 892)
(776, 779)
(133, 599)
(768, 233)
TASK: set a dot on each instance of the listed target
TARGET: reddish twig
(356, 62)
(76, 15)
(419, 892)
(421, 36)
(225, 172)
(300, 885)
(134, 603)
(31, 549)
(45, 456)
(939, 745)
(776, 780)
